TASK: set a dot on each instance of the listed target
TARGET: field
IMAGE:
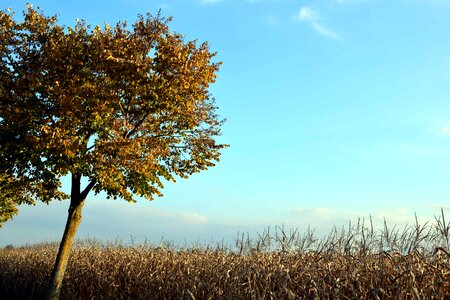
(356, 262)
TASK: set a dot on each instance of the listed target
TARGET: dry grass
(357, 262)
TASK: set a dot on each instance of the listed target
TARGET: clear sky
(336, 109)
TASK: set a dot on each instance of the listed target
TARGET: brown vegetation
(357, 262)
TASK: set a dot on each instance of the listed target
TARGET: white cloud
(325, 217)
(106, 220)
(112, 220)
(311, 16)
(443, 130)
(306, 13)
(324, 31)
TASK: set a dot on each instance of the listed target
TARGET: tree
(120, 108)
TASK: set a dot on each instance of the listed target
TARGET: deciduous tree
(124, 107)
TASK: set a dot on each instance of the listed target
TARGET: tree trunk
(73, 221)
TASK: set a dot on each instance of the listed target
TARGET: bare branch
(88, 188)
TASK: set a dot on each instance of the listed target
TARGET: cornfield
(355, 262)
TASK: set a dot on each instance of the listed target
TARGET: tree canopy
(123, 106)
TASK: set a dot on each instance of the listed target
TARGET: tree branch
(129, 133)
(88, 188)
(87, 137)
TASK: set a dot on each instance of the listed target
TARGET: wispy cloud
(324, 31)
(399, 216)
(137, 220)
(309, 15)
(442, 131)
(306, 13)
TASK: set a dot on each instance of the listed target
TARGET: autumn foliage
(122, 107)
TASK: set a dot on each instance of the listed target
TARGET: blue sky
(336, 109)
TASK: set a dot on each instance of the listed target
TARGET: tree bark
(73, 221)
